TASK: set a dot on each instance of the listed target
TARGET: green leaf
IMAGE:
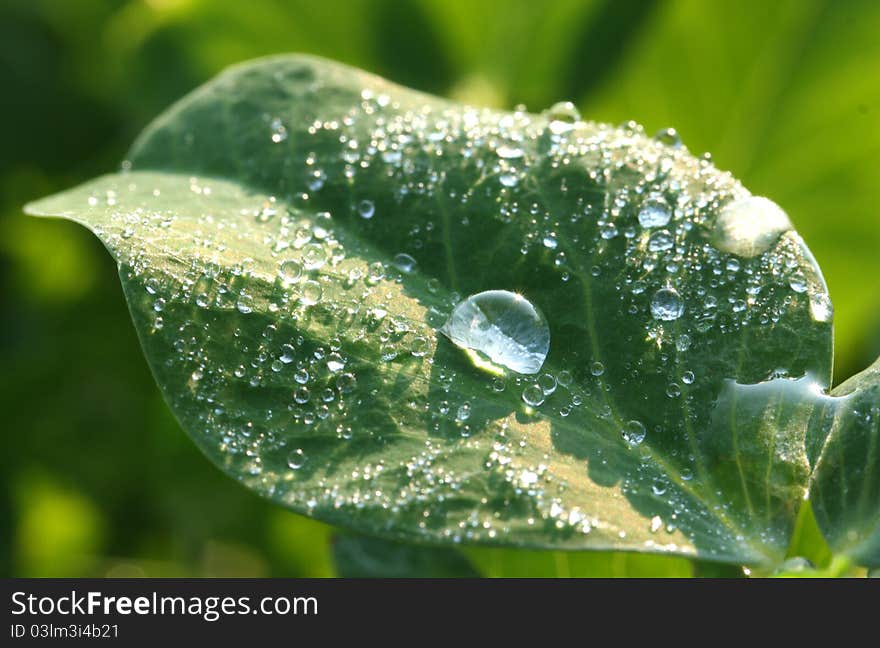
(368, 557)
(292, 236)
(845, 485)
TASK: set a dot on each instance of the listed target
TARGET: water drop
(666, 305)
(404, 262)
(668, 136)
(366, 209)
(634, 433)
(419, 346)
(562, 117)
(279, 132)
(503, 327)
(798, 282)
(335, 363)
(597, 368)
(311, 293)
(748, 226)
(655, 212)
(821, 309)
(290, 271)
(533, 396)
(296, 459)
(346, 383)
(288, 353)
(245, 304)
(314, 256)
(508, 179)
(509, 152)
(547, 383)
(660, 241)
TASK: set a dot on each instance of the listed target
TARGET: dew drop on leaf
(404, 262)
(666, 305)
(502, 327)
(366, 209)
(296, 459)
(748, 226)
(655, 212)
(634, 433)
(533, 396)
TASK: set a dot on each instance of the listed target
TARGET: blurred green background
(97, 477)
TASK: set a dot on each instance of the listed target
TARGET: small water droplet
(366, 209)
(634, 433)
(547, 383)
(533, 396)
(245, 304)
(311, 293)
(562, 116)
(288, 353)
(655, 211)
(798, 282)
(335, 363)
(290, 271)
(509, 152)
(666, 305)
(597, 368)
(279, 132)
(314, 256)
(404, 262)
(296, 459)
(668, 136)
(656, 523)
(660, 241)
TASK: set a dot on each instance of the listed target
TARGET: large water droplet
(666, 304)
(503, 327)
(748, 226)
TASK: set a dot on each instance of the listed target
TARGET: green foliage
(782, 94)
(263, 228)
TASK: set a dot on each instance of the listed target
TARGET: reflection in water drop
(748, 226)
(503, 327)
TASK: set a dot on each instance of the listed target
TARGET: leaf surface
(292, 236)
